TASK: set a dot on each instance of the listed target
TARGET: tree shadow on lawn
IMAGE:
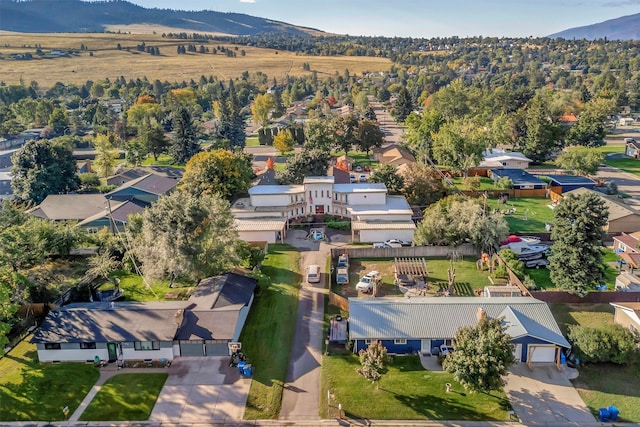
(438, 408)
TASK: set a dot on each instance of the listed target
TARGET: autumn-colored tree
(261, 107)
(271, 164)
(283, 141)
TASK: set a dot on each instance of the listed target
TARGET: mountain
(623, 28)
(63, 16)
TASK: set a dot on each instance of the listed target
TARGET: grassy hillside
(108, 61)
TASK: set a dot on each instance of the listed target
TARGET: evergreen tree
(576, 255)
(185, 141)
(403, 106)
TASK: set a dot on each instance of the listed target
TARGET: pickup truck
(343, 260)
(342, 276)
(367, 282)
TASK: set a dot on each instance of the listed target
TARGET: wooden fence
(339, 301)
(412, 251)
(590, 298)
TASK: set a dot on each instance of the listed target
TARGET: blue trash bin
(248, 370)
(603, 414)
(613, 413)
(241, 366)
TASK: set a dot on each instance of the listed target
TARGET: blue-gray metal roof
(424, 318)
(518, 176)
(571, 179)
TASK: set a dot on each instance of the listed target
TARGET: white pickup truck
(367, 282)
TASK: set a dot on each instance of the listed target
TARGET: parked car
(358, 168)
(367, 281)
(395, 242)
(353, 178)
(446, 349)
(367, 169)
(536, 263)
(363, 178)
(381, 245)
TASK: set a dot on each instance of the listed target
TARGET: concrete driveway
(201, 389)
(544, 396)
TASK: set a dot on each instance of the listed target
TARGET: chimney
(480, 313)
(178, 317)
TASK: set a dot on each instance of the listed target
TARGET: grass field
(125, 397)
(108, 61)
(530, 216)
(485, 183)
(33, 391)
(468, 278)
(601, 385)
(268, 333)
(407, 392)
(135, 289)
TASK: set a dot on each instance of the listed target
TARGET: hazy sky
(422, 18)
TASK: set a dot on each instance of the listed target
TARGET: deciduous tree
(483, 354)
(283, 141)
(373, 361)
(107, 155)
(369, 135)
(262, 105)
(41, 168)
(221, 172)
(306, 163)
(389, 176)
(422, 185)
(583, 161)
(181, 235)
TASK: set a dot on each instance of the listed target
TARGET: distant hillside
(63, 16)
(623, 28)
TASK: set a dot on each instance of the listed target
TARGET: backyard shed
(571, 182)
(522, 180)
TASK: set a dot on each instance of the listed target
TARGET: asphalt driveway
(201, 389)
(545, 396)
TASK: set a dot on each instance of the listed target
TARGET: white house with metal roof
(374, 214)
(407, 325)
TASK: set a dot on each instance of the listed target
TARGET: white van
(313, 273)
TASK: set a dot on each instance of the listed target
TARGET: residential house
(568, 120)
(202, 326)
(627, 314)
(626, 246)
(522, 180)
(147, 188)
(339, 176)
(69, 207)
(406, 325)
(347, 161)
(622, 217)
(632, 148)
(138, 172)
(6, 191)
(374, 214)
(394, 155)
(495, 158)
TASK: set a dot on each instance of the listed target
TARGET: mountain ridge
(622, 28)
(62, 16)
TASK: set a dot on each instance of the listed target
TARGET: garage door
(542, 353)
(217, 349)
(191, 349)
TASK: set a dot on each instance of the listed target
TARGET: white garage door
(542, 353)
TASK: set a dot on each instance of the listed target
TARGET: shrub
(264, 281)
(529, 283)
(500, 272)
(609, 343)
(339, 225)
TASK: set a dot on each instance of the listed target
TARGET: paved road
(301, 397)
(544, 396)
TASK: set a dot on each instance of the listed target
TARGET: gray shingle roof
(59, 207)
(150, 183)
(422, 318)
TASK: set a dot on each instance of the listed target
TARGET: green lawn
(125, 397)
(268, 334)
(601, 385)
(530, 216)
(541, 277)
(252, 141)
(485, 184)
(360, 158)
(163, 160)
(135, 289)
(407, 392)
(33, 391)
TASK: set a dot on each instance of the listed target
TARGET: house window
(316, 194)
(146, 345)
(291, 199)
(87, 345)
(310, 194)
(504, 163)
(328, 193)
(321, 193)
(367, 342)
(400, 341)
(52, 346)
(92, 230)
